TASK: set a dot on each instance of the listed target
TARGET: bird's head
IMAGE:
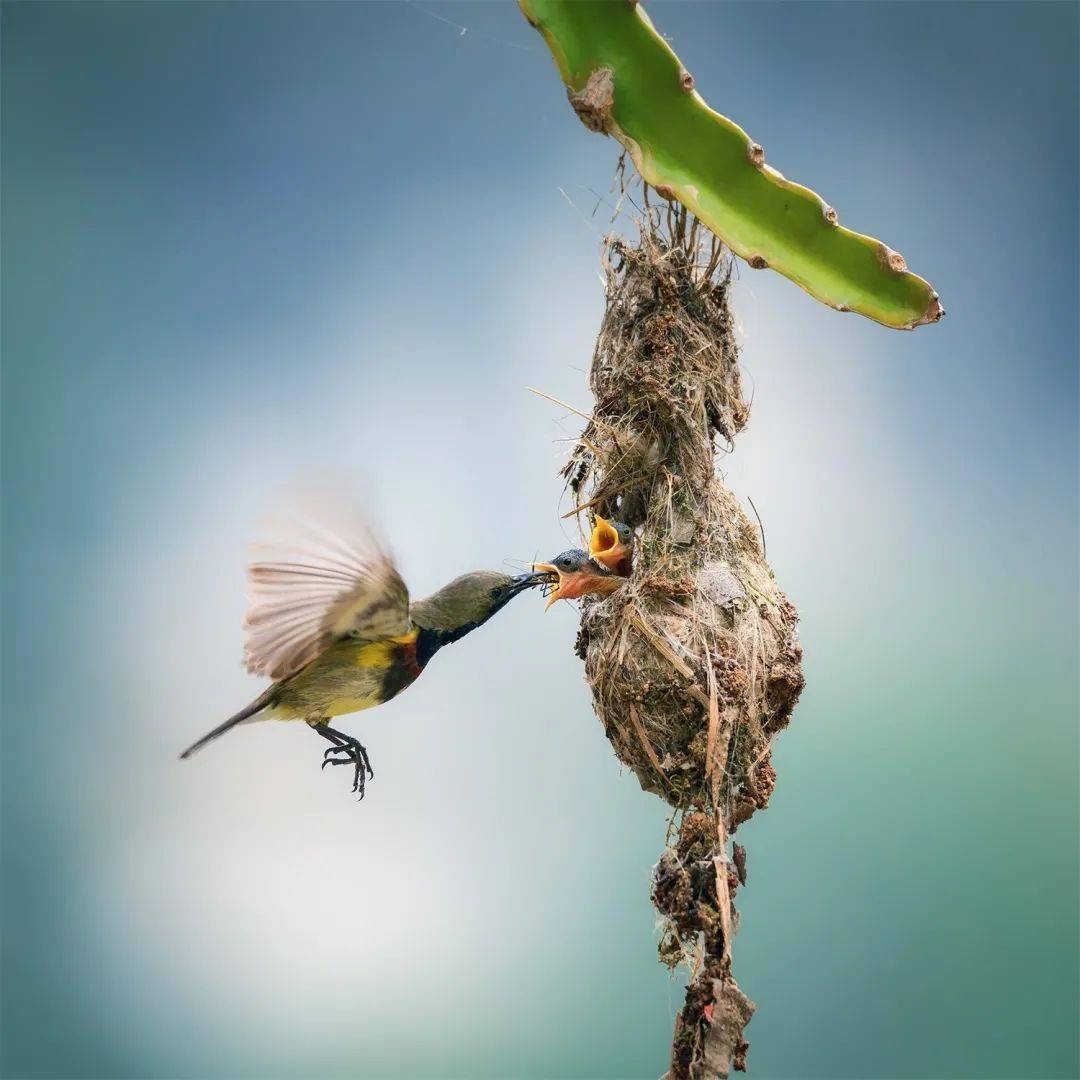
(470, 600)
(612, 545)
(574, 574)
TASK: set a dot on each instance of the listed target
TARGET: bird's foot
(349, 751)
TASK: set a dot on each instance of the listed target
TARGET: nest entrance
(694, 664)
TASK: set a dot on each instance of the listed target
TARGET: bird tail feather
(245, 713)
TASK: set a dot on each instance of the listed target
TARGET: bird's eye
(497, 592)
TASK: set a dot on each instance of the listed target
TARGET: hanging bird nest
(694, 664)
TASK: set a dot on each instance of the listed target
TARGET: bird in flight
(330, 621)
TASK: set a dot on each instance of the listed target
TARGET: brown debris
(738, 854)
(594, 101)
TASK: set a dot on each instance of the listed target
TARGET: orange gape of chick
(577, 575)
(612, 546)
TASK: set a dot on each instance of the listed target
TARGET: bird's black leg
(346, 751)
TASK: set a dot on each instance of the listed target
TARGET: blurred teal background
(241, 241)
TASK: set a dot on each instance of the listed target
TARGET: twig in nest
(714, 716)
(569, 408)
(646, 745)
(607, 494)
(759, 525)
(723, 894)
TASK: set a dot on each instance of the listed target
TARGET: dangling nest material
(694, 664)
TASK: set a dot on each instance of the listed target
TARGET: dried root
(694, 664)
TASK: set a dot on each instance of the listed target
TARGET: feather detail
(321, 575)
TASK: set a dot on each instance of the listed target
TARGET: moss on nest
(694, 664)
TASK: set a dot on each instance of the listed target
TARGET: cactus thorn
(892, 259)
(935, 311)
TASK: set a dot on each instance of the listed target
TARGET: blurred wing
(322, 576)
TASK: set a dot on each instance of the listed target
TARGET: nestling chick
(612, 545)
(577, 575)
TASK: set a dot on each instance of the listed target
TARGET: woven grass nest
(694, 664)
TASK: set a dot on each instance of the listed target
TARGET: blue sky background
(242, 241)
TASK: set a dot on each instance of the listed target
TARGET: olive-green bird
(329, 619)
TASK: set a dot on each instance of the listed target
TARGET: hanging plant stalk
(623, 79)
(694, 664)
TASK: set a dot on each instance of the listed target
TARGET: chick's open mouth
(550, 586)
(604, 537)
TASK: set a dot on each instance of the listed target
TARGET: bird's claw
(351, 753)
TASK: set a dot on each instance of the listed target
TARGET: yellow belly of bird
(349, 677)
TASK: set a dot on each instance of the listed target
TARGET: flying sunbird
(612, 545)
(330, 620)
(578, 575)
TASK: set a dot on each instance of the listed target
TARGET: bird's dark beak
(527, 581)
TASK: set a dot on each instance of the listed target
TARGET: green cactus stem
(623, 79)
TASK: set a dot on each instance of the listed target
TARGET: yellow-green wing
(322, 575)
